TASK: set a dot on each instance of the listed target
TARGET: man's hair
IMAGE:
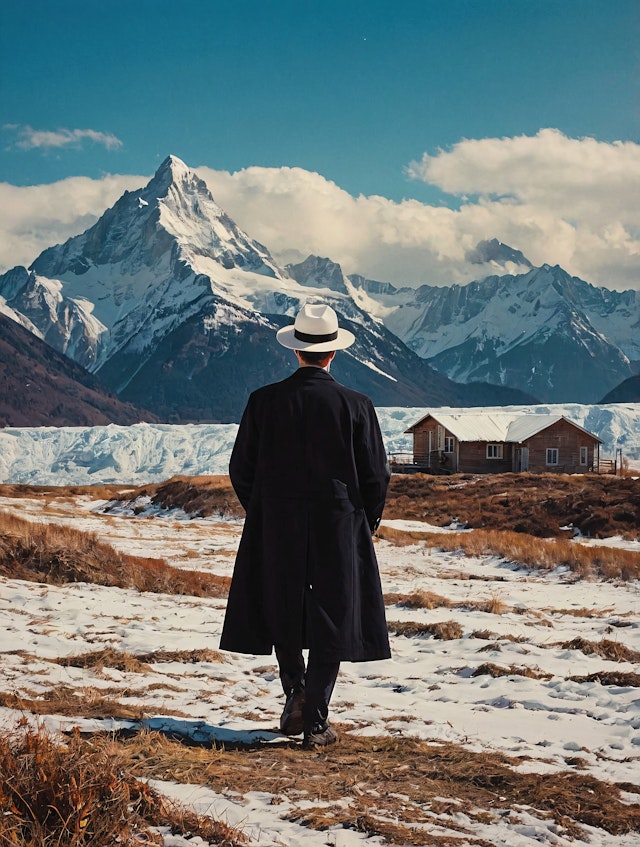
(312, 357)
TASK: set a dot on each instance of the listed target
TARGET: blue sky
(352, 91)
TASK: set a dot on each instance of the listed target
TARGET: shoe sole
(322, 739)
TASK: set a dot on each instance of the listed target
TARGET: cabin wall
(473, 458)
(567, 440)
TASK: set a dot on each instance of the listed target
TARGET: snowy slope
(154, 452)
(547, 332)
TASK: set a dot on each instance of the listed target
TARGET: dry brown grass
(536, 504)
(489, 669)
(201, 496)
(607, 649)
(184, 656)
(55, 554)
(79, 794)
(444, 630)
(429, 600)
(68, 493)
(418, 600)
(107, 658)
(582, 612)
(526, 550)
(85, 702)
(389, 785)
(619, 678)
(127, 662)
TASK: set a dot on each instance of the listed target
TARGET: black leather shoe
(291, 722)
(321, 735)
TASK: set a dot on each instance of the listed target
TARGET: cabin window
(448, 444)
(494, 451)
(552, 455)
(584, 455)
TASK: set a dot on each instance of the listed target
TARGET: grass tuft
(528, 551)
(619, 678)
(489, 669)
(607, 649)
(444, 630)
(56, 555)
(79, 793)
(126, 662)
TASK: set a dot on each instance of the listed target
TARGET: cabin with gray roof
(499, 442)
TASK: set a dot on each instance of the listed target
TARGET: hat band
(315, 339)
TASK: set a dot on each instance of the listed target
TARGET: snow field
(426, 690)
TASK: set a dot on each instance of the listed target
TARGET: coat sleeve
(242, 465)
(372, 466)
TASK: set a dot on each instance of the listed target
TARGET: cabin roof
(496, 426)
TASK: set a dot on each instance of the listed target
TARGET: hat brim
(286, 337)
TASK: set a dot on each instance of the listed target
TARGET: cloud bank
(559, 200)
(34, 217)
(30, 139)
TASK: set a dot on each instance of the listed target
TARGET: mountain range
(172, 307)
(554, 335)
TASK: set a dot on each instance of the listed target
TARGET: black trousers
(318, 679)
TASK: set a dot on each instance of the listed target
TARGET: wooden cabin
(498, 442)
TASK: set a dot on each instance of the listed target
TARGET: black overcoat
(309, 467)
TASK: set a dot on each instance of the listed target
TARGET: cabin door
(522, 459)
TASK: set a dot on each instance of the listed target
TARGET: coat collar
(304, 374)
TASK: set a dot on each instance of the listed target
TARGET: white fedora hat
(316, 330)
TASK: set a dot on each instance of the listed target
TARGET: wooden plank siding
(473, 458)
(568, 440)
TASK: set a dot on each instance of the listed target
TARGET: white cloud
(295, 212)
(29, 138)
(38, 216)
(562, 201)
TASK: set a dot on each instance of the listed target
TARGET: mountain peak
(317, 271)
(174, 172)
(174, 163)
(495, 252)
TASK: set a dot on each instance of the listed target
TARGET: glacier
(144, 453)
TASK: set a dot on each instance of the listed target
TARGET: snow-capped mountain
(494, 252)
(175, 308)
(141, 270)
(547, 332)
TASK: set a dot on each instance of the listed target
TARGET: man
(310, 468)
